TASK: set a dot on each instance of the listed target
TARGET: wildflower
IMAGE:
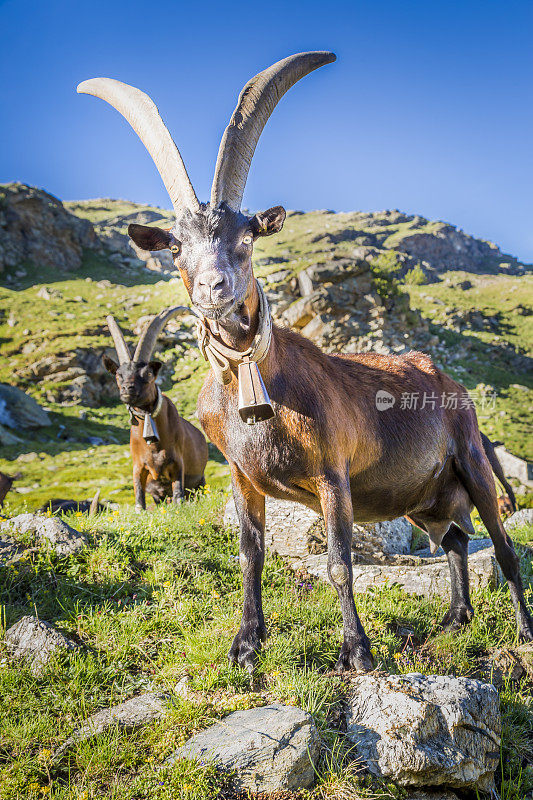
(201, 521)
(216, 595)
(33, 787)
(397, 655)
(78, 514)
(292, 701)
(116, 512)
(44, 755)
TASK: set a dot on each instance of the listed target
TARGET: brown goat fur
(174, 465)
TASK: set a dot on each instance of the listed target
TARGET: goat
(6, 482)
(169, 454)
(325, 440)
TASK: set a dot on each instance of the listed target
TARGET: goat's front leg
(250, 505)
(336, 502)
(178, 483)
(140, 476)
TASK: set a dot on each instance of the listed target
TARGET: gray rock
(10, 550)
(7, 438)
(270, 748)
(519, 518)
(131, 714)
(38, 228)
(295, 531)
(19, 410)
(515, 467)
(62, 537)
(37, 642)
(421, 575)
(418, 730)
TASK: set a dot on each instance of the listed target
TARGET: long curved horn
(123, 351)
(255, 105)
(145, 348)
(143, 116)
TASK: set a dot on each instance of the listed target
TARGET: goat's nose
(212, 279)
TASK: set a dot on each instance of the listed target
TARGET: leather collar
(136, 413)
(220, 355)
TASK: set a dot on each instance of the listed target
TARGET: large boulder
(295, 531)
(36, 227)
(426, 730)
(269, 748)
(19, 410)
(36, 641)
(64, 539)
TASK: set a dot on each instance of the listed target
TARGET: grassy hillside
(158, 597)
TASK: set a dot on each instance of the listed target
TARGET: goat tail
(490, 452)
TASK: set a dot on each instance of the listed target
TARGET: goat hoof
(525, 630)
(455, 618)
(355, 655)
(246, 646)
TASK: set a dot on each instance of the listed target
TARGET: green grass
(158, 596)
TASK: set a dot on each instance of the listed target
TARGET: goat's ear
(109, 364)
(150, 238)
(155, 367)
(265, 223)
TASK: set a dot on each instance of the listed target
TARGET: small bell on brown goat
(254, 402)
(150, 433)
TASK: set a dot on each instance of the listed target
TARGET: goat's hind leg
(455, 545)
(476, 475)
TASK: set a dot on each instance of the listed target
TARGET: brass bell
(254, 402)
(150, 433)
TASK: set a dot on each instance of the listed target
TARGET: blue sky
(428, 108)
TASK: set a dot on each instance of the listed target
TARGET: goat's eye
(248, 239)
(175, 249)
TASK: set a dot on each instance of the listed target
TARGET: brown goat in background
(169, 454)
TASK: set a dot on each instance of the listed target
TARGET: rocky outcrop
(36, 642)
(113, 233)
(335, 304)
(269, 748)
(53, 531)
(80, 376)
(20, 411)
(36, 227)
(426, 730)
